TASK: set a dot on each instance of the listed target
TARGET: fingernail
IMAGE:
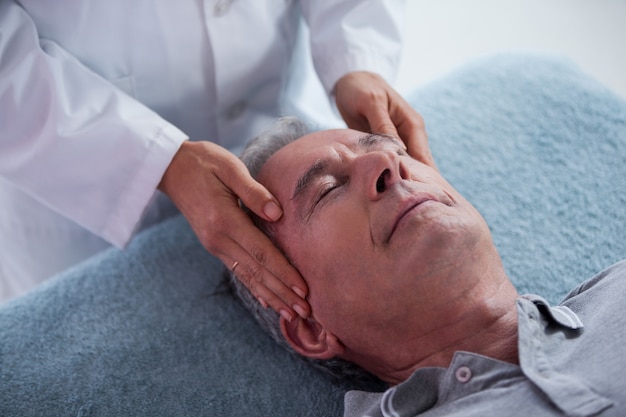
(287, 315)
(272, 210)
(262, 302)
(299, 291)
(300, 310)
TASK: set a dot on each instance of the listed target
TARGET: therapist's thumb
(379, 120)
(257, 198)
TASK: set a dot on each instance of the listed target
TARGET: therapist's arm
(72, 140)
(206, 181)
(95, 155)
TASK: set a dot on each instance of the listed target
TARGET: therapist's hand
(369, 104)
(206, 181)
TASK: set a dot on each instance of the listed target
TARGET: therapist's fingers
(247, 245)
(205, 180)
(411, 129)
(263, 268)
(368, 103)
(359, 98)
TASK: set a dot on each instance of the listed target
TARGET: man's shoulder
(609, 279)
(599, 301)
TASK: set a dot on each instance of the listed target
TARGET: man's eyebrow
(320, 166)
(371, 139)
(306, 179)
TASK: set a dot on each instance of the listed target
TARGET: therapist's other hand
(206, 181)
(368, 103)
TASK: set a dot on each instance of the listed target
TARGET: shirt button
(236, 110)
(463, 374)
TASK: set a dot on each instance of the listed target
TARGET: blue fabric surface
(540, 149)
(536, 145)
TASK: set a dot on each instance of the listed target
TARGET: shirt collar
(402, 399)
(557, 314)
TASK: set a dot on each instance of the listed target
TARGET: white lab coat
(96, 97)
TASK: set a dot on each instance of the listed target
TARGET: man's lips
(407, 206)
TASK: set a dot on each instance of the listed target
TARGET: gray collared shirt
(565, 369)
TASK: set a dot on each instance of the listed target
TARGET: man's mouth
(407, 207)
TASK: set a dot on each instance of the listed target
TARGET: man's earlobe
(309, 338)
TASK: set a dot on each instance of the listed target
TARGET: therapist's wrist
(176, 168)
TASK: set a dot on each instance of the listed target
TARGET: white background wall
(443, 34)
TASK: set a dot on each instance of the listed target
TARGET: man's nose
(379, 171)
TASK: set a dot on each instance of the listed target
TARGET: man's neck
(493, 334)
(479, 320)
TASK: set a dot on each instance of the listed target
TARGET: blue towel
(537, 146)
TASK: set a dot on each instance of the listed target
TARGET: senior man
(405, 282)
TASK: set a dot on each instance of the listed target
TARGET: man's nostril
(380, 182)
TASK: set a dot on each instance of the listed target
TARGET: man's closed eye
(326, 190)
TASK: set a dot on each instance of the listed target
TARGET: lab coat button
(221, 7)
(236, 110)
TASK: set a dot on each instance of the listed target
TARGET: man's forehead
(318, 142)
(326, 138)
(307, 148)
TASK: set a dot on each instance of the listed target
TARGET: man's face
(369, 228)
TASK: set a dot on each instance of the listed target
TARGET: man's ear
(309, 338)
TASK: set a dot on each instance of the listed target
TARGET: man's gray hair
(254, 156)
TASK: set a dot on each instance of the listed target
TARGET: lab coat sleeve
(354, 35)
(72, 140)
